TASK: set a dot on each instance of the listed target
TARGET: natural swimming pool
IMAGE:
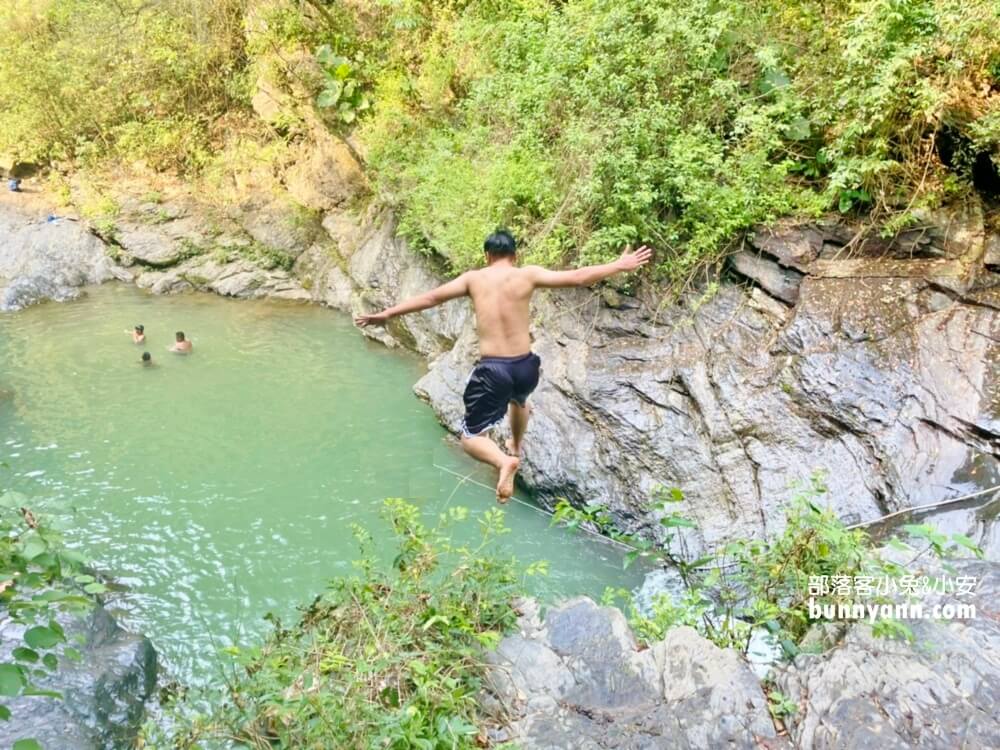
(222, 486)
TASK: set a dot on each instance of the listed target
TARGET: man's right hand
(629, 261)
(375, 319)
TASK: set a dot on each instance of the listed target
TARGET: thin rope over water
(623, 545)
(537, 509)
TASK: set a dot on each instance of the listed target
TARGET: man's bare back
(507, 372)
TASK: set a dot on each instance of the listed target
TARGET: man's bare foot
(505, 485)
(514, 449)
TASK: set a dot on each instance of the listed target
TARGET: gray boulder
(577, 679)
(104, 694)
(42, 259)
(941, 692)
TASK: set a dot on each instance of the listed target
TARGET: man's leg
(483, 449)
(518, 416)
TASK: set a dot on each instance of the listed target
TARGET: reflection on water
(222, 485)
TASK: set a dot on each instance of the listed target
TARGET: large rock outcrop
(939, 693)
(578, 679)
(104, 694)
(44, 259)
(884, 373)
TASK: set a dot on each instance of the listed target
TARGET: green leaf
(672, 522)
(4, 713)
(11, 679)
(95, 588)
(43, 693)
(25, 654)
(41, 637)
(324, 54)
(51, 661)
(964, 541)
(33, 546)
(773, 80)
(799, 129)
(29, 744)
(330, 95)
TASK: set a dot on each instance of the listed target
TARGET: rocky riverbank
(875, 361)
(878, 365)
(576, 678)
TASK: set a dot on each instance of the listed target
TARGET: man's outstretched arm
(455, 288)
(588, 275)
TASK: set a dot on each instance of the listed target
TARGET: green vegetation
(84, 80)
(748, 584)
(581, 124)
(386, 659)
(39, 579)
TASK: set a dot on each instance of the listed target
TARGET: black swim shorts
(494, 383)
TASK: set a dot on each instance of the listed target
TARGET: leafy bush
(580, 124)
(748, 584)
(87, 79)
(587, 124)
(384, 659)
(39, 578)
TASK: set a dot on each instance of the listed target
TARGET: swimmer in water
(138, 335)
(147, 359)
(182, 345)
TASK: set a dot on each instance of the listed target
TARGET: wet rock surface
(104, 693)
(577, 679)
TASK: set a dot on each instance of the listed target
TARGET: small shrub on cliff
(750, 584)
(386, 659)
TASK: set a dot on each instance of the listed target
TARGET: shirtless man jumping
(507, 371)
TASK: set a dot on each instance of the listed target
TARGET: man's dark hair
(140, 329)
(180, 335)
(146, 356)
(501, 242)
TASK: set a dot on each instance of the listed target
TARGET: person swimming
(181, 345)
(139, 335)
(508, 371)
(147, 359)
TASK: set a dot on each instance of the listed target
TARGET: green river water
(222, 486)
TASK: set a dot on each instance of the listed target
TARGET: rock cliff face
(577, 679)
(883, 373)
(940, 692)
